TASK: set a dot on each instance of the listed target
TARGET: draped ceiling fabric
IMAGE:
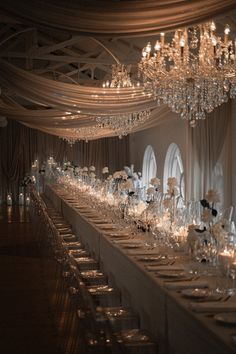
(116, 18)
(20, 146)
(75, 106)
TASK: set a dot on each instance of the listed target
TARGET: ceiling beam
(58, 58)
(52, 48)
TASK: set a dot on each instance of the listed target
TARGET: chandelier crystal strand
(125, 123)
(83, 133)
(194, 73)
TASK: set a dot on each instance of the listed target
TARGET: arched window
(149, 165)
(174, 168)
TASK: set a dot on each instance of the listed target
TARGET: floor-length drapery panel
(110, 18)
(209, 144)
(20, 146)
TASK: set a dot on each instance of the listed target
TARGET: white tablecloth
(165, 313)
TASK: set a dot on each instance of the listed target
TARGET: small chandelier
(120, 77)
(124, 123)
(194, 73)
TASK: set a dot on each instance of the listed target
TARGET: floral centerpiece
(209, 238)
(169, 201)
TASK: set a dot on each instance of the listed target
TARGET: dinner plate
(226, 317)
(150, 258)
(196, 293)
(132, 245)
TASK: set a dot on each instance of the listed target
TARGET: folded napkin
(165, 267)
(215, 307)
(180, 285)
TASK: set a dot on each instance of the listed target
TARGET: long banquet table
(165, 313)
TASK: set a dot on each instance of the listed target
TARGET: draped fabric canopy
(75, 106)
(116, 18)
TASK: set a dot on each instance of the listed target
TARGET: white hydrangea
(105, 170)
(150, 191)
(213, 196)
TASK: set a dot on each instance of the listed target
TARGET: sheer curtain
(20, 146)
(210, 143)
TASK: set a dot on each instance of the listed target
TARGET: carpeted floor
(26, 322)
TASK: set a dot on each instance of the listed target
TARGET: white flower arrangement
(167, 203)
(211, 231)
(150, 191)
(85, 169)
(207, 216)
(192, 237)
(155, 182)
(172, 186)
(213, 196)
(172, 182)
(105, 170)
(127, 185)
(92, 168)
(219, 233)
(120, 175)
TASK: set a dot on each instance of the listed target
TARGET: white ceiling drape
(116, 18)
(76, 98)
(61, 107)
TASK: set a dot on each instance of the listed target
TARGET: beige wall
(175, 130)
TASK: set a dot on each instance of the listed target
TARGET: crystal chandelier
(194, 73)
(120, 77)
(124, 123)
(83, 133)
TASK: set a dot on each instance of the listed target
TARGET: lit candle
(227, 30)
(9, 199)
(21, 199)
(27, 201)
(162, 35)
